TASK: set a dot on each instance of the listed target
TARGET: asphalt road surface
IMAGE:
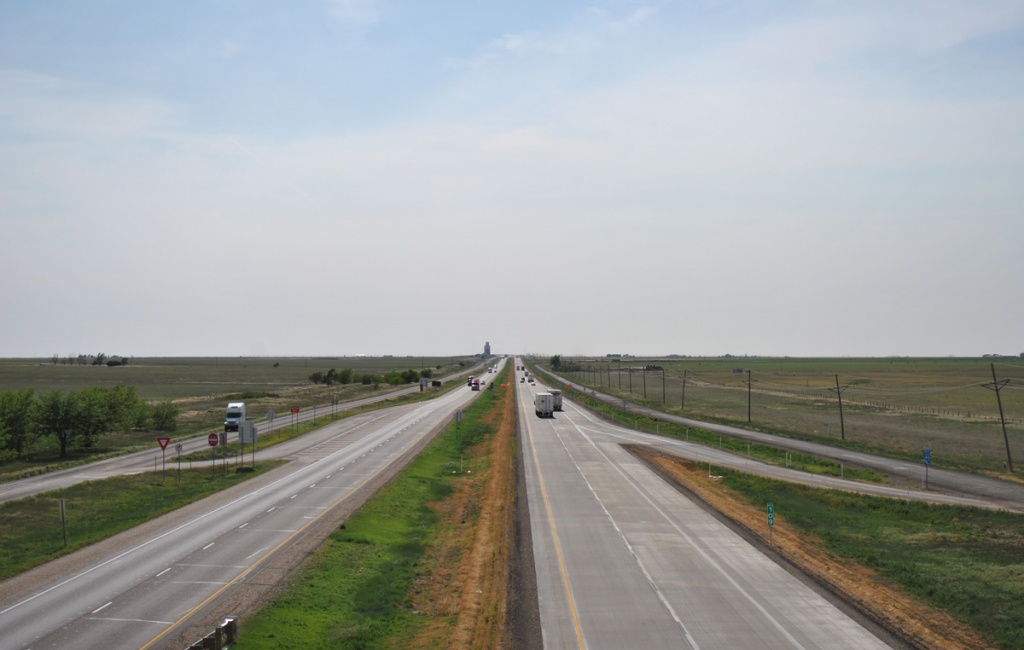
(151, 585)
(623, 560)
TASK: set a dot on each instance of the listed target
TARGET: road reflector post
(223, 636)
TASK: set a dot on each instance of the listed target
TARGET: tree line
(100, 359)
(74, 421)
(348, 376)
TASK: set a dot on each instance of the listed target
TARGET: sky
(341, 177)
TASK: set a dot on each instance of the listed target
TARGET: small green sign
(771, 513)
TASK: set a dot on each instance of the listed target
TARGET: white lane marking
(707, 558)
(163, 572)
(100, 609)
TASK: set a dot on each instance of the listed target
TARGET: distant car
(522, 380)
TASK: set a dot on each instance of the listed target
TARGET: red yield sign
(213, 439)
(163, 442)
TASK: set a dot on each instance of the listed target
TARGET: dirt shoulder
(895, 616)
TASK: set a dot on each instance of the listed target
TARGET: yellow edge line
(260, 561)
(554, 534)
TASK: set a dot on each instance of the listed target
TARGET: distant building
(487, 350)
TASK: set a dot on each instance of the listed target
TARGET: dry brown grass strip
(464, 594)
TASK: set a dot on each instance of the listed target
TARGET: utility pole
(682, 404)
(750, 385)
(839, 393)
(663, 385)
(997, 385)
(645, 382)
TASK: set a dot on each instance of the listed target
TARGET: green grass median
(355, 591)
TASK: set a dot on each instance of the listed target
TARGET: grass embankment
(32, 531)
(943, 576)
(424, 563)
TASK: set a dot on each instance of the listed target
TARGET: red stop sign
(213, 439)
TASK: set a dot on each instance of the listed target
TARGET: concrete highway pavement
(149, 586)
(623, 560)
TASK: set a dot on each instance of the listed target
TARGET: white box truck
(234, 416)
(557, 401)
(544, 404)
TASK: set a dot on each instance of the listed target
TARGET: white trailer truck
(234, 416)
(544, 404)
(557, 401)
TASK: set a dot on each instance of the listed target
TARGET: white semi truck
(557, 401)
(234, 416)
(544, 404)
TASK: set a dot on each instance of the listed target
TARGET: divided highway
(624, 560)
(151, 585)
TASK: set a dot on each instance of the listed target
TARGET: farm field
(893, 406)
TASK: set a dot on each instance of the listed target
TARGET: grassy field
(896, 406)
(385, 579)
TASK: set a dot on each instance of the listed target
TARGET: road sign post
(177, 448)
(214, 440)
(771, 520)
(927, 462)
(163, 457)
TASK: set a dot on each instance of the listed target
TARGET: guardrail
(223, 636)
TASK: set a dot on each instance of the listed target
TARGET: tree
(17, 414)
(53, 418)
(165, 416)
(410, 376)
(556, 362)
